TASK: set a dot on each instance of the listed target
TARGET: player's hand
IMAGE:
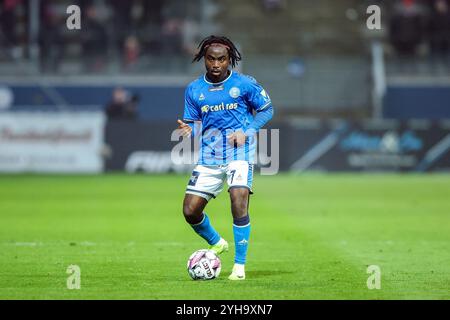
(237, 138)
(186, 130)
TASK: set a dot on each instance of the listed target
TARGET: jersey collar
(217, 83)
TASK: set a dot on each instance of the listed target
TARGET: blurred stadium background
(106, 99)
(383, 93)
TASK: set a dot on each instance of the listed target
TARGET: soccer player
(225, 110)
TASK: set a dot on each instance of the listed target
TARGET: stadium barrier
(309, 145)
(51, 142)
(383, 145)
(407, 99)
(66, 142)
(155, 101)
(137, 146)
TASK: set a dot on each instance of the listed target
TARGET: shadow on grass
(257, 274)
(265, 273)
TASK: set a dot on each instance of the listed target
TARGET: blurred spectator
(94, 41)
(406, 27)
(171, 36)
(134, 34)
(190, 36)
(50, 39)
(8, 26)
(131, 53)
(123, 105)
(122, 21)
(153, 11)
(172, 44)
(273, 5)
(296, 67)
(439, 33)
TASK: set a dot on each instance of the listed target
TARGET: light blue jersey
(224, 108)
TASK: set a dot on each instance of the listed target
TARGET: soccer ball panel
(204, 265)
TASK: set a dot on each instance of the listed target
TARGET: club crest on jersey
(234, 92)
(202, 97)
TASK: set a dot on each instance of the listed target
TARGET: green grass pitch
(313, 237)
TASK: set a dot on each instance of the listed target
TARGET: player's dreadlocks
(234, 53)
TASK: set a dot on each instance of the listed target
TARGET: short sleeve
(191, 111)
(257, 97)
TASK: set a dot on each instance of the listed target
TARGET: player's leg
(240, 179)
(204, 185)
(193, 207)
(241, 230)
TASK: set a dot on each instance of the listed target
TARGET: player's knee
(191, 213)
(239, 202)
(239, 210)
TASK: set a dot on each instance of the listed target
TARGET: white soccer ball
(204, 265)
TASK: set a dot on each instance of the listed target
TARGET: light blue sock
(205, 230)
(241, 231)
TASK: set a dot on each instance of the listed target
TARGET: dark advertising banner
(416, 102)
(371, 146)
(137, 146)
(313, 145)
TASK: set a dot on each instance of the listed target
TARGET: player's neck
(218, 80)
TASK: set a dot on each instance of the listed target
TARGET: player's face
(217, 61)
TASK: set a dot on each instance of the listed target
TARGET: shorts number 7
(232, 172)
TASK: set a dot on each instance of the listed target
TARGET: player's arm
(260, 101)
(187, 129)
(261, 118)
(191, 114)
